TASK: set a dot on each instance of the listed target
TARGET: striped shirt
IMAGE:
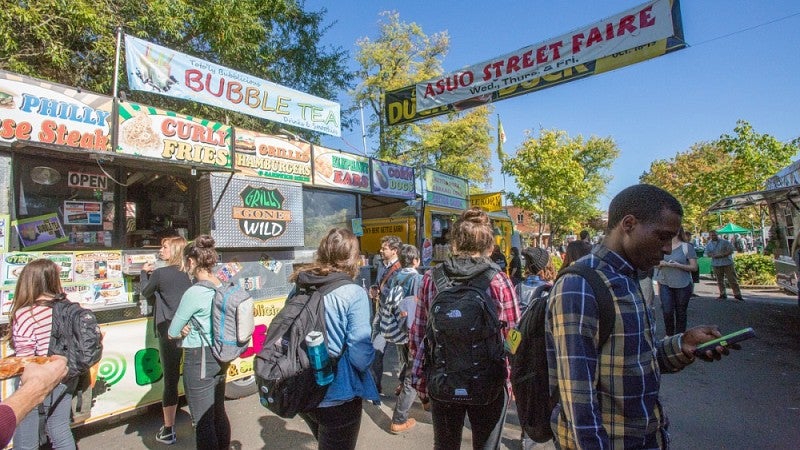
(609, 399)
(500, 289)
(31, 333)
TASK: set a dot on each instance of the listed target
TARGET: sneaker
(426, 404)
(722, 297)
(166, 435)
(401, 427)
(738, 297)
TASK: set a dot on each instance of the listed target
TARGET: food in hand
(14, 365)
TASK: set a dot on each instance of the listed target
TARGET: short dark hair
(407, 254)
(584, 234)
(643, 201)
(394, 242)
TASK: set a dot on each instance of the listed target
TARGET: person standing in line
(515, 267)
(584, 236)
(472, 242)
(335, 423)
(576, 250)
(403, 287)
(687, 237)
(609, 396)
(539, 271)
(721, 251)
(167, 285)
(499, 258)
(203, 375)
(674, 276)
(390, 245)
(31, 319)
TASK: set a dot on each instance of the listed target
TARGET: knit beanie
(536, 259)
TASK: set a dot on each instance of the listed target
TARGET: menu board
(40, 231)
(262, 155)
(165, 135)
(334, 168)
(93, 278)
(445, 190)
(393, 180)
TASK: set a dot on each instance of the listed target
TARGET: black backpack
(530, 379)
(464, 354)
(283, 373)
(76, 336)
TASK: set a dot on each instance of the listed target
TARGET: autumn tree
(401, 55)
(709, 171)
(73, 43)
(560, 179)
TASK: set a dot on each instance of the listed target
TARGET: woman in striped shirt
(31, 323)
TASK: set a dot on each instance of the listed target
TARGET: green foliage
(559, 178)
(557, 262)
(754, 269)
(74, 42)
(709, 171)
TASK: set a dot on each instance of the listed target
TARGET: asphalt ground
(749, 400)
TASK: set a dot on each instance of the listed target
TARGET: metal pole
(363, 130)
(114, 89)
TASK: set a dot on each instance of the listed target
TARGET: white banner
(635, 27)
(153, 68)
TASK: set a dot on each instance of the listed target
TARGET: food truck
(780, 202)
(94, 183)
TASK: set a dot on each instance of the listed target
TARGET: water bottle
(318, 356)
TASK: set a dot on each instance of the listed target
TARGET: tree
(73, 43)
(560, 179)
(709, 171)
(401, 55)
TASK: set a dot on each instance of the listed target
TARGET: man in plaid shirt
(609, 396)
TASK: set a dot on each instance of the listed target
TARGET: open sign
(87, 180)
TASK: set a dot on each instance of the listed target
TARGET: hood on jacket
(463, 268)
(308, 278)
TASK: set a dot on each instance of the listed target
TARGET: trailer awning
(790, 193)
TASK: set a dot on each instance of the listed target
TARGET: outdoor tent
(732, 228)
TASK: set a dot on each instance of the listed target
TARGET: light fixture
(45, 175)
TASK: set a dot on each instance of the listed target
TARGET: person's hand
(185, 330)
(700, 334)
(45, 377)
(148, 267)
(374, 292)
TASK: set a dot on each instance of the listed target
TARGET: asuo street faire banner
(154, 133)
(157, 69)
(641, 33)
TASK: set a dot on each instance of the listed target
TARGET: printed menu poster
(40, 231)
(5, 224)
(83, 213)
(13, 264)
(98, 278)
(334, 168)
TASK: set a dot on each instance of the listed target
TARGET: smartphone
(724, 341)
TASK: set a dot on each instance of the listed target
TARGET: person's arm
(188, 307)
(574, 328)
(416, 339)
(148, 283)
(358, 332)
(36, 382)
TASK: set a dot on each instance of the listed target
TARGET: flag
(501, 139)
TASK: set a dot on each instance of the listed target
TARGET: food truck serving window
(62, 205)
(324, 210)
(157, 205)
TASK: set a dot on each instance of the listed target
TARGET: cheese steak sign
(262, 215)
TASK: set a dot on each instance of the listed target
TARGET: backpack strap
(605, 304)
(440, 279)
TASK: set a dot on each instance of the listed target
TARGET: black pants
(170, 355)
(486, 422)
(335, 427)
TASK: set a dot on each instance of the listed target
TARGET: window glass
(157, 205)
(323, 210)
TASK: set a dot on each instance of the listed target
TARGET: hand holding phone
(724, 341)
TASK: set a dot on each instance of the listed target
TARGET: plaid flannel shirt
(609, 399)
(500, 289)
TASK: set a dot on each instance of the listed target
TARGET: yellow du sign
(487, 202)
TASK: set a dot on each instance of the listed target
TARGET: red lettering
(554, 47)
(645, 19)
(594, 37)
(527, 60)
(235, 92)
(192, 80)
(513, 64)
(168, 127)
(12, 130)
(609, 31)
(626, 24)
(429, 91)
(541, 56)
(577, 41)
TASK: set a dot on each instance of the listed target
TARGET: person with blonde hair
(472, 241)
(31, 320)
(335, 423)
(164, 287)
(203, 375)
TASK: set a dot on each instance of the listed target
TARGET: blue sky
(742, 62)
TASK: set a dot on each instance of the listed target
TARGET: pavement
(253, 427)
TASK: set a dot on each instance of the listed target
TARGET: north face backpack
(232, 322)
(75, 335)
(530, 379)
(283, 372)
(464, 354)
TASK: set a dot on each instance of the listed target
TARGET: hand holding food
(12, 366)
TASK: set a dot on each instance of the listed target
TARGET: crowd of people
(603, 405)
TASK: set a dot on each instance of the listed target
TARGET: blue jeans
(204, 383)
(27, 435)
(335, 427)
(486, 420)
(674, 303)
